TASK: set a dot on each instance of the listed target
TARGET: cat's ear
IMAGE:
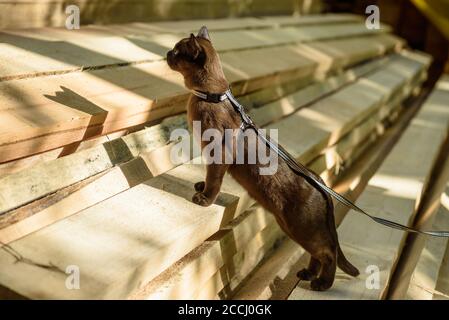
(203, 33)
(194, 46)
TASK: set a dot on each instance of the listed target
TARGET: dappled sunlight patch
(332, 158)
(24, 61)
(375, 87)
(428, 124)
(397, 186)
(234, 72)
(287, 106)
(325, 61)
(320, 120)
(117, 47)
(440, 103)
(445, 200)
(443, 84)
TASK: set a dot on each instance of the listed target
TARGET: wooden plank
(17, 193)
(120, 280)
(414, 260)
(160, 131)
(239, 40)
(424, 279)
(187, 26)
(189, 255)
(312, 19)
(104, 156)
(394, 192)
(40, 114)
(374, 90)
(109, 215)
(423, 219)
(226, 281)
(111, 153)
(24, 163)
(36, 14)
(344, 152)
(339, 156)
(224, 286)
(182, 279)
(288, 104)
(170, 184)
(25, 54)
(253, 100)
(27, 220)
(250, 23)
(442, 286)
(276, 268)
(276, 278)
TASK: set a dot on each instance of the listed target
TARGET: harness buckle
(245, 126)
(214, 97)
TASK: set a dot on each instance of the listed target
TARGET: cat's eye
(175, 52)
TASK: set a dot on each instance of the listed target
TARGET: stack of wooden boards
(54, 13)
(120, 211)
(395, 192)
(430, 277)
(47, 103)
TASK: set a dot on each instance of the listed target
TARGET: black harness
(300, 169)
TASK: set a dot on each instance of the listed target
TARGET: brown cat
(304, 213)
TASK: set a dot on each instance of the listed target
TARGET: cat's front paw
(200, 199)
(199, 186)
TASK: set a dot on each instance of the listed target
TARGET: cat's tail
(345, 265)
(342, 262)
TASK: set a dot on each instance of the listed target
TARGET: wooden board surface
(183, 278)
(26, 54)
(155, 199)
(36, 13)
(424, 279)
(227, 279)
(178, 282)
(21, 189)
(393, 193)
(40, 114)
(251, 23)
(442, 285)
(276, 267)
(276, 278)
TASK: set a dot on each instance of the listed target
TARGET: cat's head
(196, 59)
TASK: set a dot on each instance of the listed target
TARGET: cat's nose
(169, 53)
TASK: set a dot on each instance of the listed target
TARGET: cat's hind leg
(311, 272)
(328, 261)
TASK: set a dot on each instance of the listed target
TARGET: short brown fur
(304, 213)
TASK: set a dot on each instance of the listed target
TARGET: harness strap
(304, 172)
(210, 97)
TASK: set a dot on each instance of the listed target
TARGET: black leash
(300, 169)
